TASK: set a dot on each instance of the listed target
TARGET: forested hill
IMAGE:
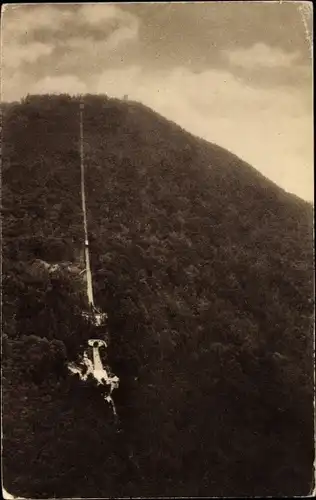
(205, 269)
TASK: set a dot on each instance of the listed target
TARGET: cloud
(261, 55)
(67, 84)
(124, 25)
(89, 47)
(123, 34)
(86, 36)
(19, 21)
(24, 23)
(96, 14)
(15, 54)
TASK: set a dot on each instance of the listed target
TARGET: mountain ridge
(205, 269)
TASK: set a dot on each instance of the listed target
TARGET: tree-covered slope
(205, 270)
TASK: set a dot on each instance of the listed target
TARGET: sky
(238, 74)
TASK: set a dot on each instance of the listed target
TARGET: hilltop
(205, 269)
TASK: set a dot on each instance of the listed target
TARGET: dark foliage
(205, 269)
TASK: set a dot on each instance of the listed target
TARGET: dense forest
(205, 269)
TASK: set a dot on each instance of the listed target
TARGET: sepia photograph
(157, 250)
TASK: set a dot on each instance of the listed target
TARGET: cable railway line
(98, 318)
